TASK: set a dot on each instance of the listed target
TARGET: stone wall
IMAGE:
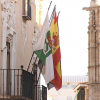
(94, 52)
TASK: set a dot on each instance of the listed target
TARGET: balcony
(18, 84)
(26, 9)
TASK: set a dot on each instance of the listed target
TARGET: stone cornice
(90, 8)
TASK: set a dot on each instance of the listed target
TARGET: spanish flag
(57, 81)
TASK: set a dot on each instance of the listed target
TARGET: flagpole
(30, 60)
(58, 14)
(57, 21)
(49, 5)
(34, 64)
(52, 14)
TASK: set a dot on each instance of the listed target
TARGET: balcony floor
(13, 98)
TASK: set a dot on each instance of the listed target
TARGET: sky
(73, 28)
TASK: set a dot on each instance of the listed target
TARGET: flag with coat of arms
(44, 51)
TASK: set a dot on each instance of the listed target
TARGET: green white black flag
(45, 53)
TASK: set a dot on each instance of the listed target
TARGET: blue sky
(73, 28)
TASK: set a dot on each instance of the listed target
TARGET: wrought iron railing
(28, 84)
(42, 93)
(20, 83)
(10, 82)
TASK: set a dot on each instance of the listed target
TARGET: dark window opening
(26, 9)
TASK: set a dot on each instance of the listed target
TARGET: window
(26, 9)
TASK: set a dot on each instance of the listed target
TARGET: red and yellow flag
(57, 81)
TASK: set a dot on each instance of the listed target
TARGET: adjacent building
(68, 92)
(93, 50)
(81, 91)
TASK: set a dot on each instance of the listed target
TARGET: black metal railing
(21, 83)
(42, 93)
(10, 82)
(28, 84)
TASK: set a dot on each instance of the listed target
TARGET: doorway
(81, 95)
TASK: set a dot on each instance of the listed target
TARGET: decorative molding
(8, 34)
(8, 12)
(40, 12)
(24, 33)
(35, 35)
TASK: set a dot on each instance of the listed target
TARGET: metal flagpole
(50, 21)
(30, 60)
(58, 14)
(49, 5)
(34, 63)
(57, 21)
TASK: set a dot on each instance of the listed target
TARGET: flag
(41, 39)
(44, 51)
(57, 81)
